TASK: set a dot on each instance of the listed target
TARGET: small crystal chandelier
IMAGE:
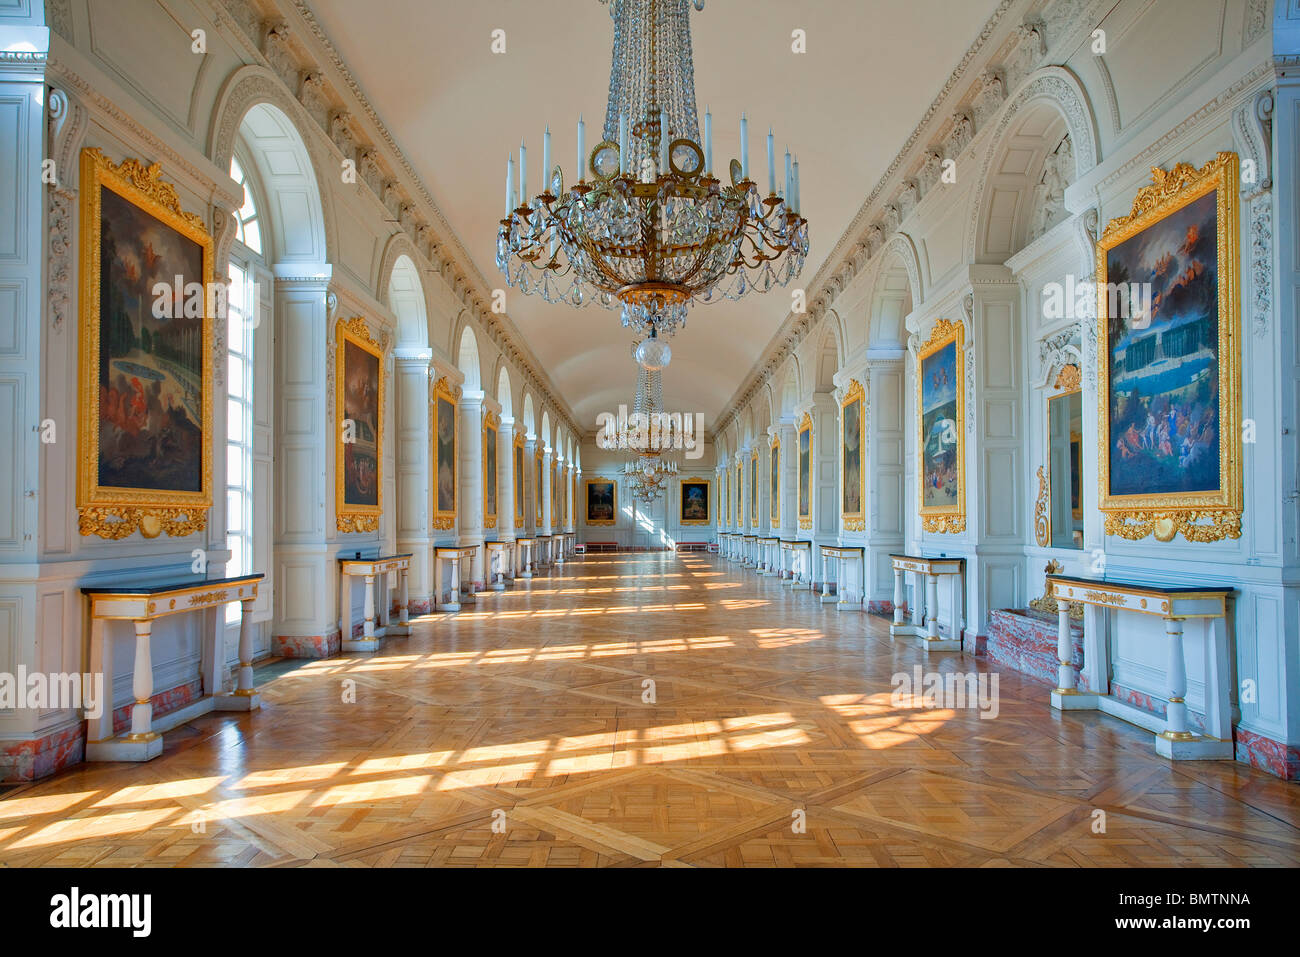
(648, 474)
(653, 229)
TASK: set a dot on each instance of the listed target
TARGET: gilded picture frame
(491, 487)
(1181, 472)
(774, 480)
(518, 453)
(740, 496)
(539, 486)
(803, 487)
(694, 502)
(601, 501)
(853, 444)
(941, 429)
(359, 432)
(753, 489)
(114, 495)
(444, 435)
(726, 490)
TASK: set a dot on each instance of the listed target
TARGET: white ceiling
(456, 109)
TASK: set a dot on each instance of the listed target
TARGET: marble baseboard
(164, 702)
(1027, 643)
(307, 646)
(1263, 753)
(36, 758)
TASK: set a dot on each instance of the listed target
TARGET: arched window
(241, 326)
(248, 230)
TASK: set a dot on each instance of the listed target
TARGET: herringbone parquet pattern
(648, 710)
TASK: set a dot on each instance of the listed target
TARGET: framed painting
(940, 402)
(359, 438)
(1076, 476)
(726, 491)
(602, 501)
(753, 489)
(445, 431)
(538, 486)
(144, 453)
(805, 438)
(774, 481)
(695, 502)
(740, 496)
(853, 478)
(519, 479)
(490, 470)
(1169, 376)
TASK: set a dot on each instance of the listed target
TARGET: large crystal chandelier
(649, 473)
(650, 227)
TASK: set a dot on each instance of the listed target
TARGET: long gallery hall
(649, 433)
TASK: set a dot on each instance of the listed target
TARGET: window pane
(234, 470)
(253, 236)
(236, 171)
(247, 212)
(234, 510)
(235, 421)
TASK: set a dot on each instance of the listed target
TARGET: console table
(142, 606)
(523, 558)
(372, 570)
(1205, 607)
(849, 571)
(543, 556)
(446, 557)
(500, 563)
(925, 623)
(770, 552)
(797, 557)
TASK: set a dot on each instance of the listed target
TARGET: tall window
(240, 330)
(248, 231)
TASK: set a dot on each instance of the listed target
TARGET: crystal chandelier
(648, 474)
(649, 227)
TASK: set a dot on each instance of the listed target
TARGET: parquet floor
(523, 732)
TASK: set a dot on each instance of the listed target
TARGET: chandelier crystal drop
(650, 228)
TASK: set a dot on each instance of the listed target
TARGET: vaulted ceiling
(457, 110)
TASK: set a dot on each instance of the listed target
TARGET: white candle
(789, 180)
(744, 147)
(663, 147)
(771, 162)
(622, 143)
(582, 150)
(797, 202)
(510, 186)
(708, 141)
(546, 160)
(523, 175)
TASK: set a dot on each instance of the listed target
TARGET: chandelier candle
(647, 226)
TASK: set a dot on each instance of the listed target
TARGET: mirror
(1065, 438)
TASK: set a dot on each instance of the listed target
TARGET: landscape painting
(940, 388)
(1167, 324)
(358, 452)
(852, 429)
(694, 502)
(602, 501)
(146, 354)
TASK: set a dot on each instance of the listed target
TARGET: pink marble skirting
(36, 758)
(1027, 643)
(1268, 755)
(307, 646)
(884, 607)
(419, 606)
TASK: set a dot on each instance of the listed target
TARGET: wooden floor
(516, 733)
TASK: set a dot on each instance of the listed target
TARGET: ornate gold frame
(517, 465)
(586, 501)
(444, 519)
(855, 521)
(681, 499)
(115, 513)
(356, 518)
(805, 425)
(1164, 516)
(753, 488)
(774, 462)
(538, 484)
(943, 518)
(490, 435)
(726, 488)
(740, 496)
(1068, 382)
